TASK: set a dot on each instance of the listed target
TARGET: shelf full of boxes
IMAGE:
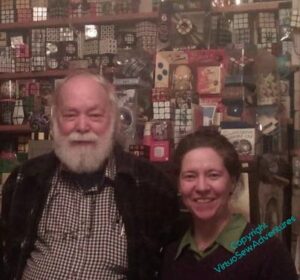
(42, 41)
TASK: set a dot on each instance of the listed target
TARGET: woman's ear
(233, 186)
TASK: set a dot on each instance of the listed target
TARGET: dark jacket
(144, 196)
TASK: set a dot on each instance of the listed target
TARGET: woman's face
(205, 184)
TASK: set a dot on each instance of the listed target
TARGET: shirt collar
(232, 232)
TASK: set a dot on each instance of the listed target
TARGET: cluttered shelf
(24, 128)
(252, 7)
(129, 17)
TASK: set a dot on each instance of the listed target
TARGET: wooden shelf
(253, 7)
(32, 75)
(24, 128)
(130, 17)
(42, 74)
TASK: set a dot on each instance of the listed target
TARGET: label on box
(243, 139)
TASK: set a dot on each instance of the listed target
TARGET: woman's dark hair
(209, 137)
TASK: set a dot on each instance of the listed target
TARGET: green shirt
(231, 233)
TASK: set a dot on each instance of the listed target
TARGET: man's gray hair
(104, 83)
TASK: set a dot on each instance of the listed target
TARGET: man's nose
(82, 124)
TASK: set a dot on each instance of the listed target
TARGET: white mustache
(75, 136)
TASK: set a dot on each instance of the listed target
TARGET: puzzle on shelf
(209, 80)
(24, 15)
(241, 36)
(295, 19)
(52, 34)
(163, 110)
(66, 34)
(285, 17)
(6, 4)
(38, 63)
(38, 40)
(3, 39)
(220, 31)
(268, 35)
(212, 109)
(39, 13)
(107, 31)
(243, 140)
(266, 20)
(241, 21)
(188, 30)
(90, 47)
(8, 16)
(161, 130)
(22, 4)
(162, 69)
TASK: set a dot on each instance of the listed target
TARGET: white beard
(79, 158)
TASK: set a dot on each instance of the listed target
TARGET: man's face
(83, 125)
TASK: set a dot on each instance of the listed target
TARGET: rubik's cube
(240, 21)
(39, 13)
(41, 3)
(107, 31)
(66, 34)
(24, 15)
(7, 16)
(22, 64)
(240, 36)
(52, 34)
(7, 4)
(108, 46)
(266, 20)
(7, 65)
(285, 17)
(38, 63)
(23, 4)
(163, 110)
(90, 47)
(241, 32)
(295, 20)
(38, 39)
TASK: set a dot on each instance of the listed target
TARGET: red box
(160, 151)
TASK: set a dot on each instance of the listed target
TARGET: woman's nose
(202, 184)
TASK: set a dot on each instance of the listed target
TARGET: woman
(219, 244)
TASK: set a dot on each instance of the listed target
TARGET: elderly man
(88, 210)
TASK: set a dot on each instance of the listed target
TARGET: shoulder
(273, 256)
(39, 167)
(39, 164)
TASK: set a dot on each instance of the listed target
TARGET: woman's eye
(214, 175)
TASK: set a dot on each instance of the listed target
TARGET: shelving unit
(24, 128)
(116, 19)
(253, 7)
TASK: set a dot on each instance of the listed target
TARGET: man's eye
(188, 177)
(69, 116)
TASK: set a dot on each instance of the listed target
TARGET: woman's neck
(206, 232)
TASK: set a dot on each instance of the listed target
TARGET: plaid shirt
(81, 234)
